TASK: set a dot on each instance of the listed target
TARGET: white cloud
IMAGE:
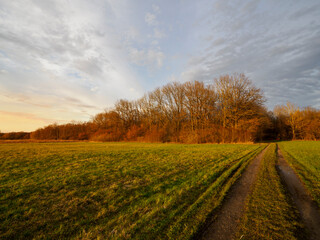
(280, 53)
(151, 57)
(64, 60)
(132, 34)
(158, 33)
(155, 8)
(54, 50)
(150, 19)
(154, 42)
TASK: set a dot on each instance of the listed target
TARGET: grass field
(269, 211)
(114, 190)
(304, 157)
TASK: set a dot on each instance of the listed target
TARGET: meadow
(114, 190)
(304, 158)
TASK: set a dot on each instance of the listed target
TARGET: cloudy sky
(67, 60)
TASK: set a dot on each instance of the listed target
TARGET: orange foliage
(228, 110)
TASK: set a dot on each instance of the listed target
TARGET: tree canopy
(229, 109)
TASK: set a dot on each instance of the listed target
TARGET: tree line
(230, 109)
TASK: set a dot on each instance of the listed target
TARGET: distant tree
(294, 118)
(128, 112)
(230, 109)
(15, 136)
(291, 116)
(240, 103)
(310, 124)
(174, 97)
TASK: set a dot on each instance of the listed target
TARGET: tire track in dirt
(308, 208)
(224, 224)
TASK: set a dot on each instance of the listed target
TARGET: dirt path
(308, 208)
(224, 226)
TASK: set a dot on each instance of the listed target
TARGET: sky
(67, 60)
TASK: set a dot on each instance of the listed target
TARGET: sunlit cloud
(21, 121)
(66, 61)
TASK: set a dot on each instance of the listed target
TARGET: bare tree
(239, 101)
(294, 117)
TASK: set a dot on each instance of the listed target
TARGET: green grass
(114, 190)
(269, 211)
(304, 157)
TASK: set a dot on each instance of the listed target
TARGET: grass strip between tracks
(269, 210)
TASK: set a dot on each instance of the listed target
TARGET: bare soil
(308, 208)
(224, 224)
